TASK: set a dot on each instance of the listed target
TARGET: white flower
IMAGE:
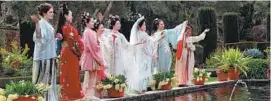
(196, 69)
(167, 79)
(116, 80)
(208, 74)
(117, 87)
(2, 98)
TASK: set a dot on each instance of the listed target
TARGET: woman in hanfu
(185, 60)
(91, 61)
(72, 47)
(164, 60)
(138, 77)
(44, 63)
(121, 52)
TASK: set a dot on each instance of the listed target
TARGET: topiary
(254, 53)
(207, 19)
(230, 25)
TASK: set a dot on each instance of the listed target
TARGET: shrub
(257, 69)
(254, 53)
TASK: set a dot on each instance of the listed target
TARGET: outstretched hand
(206, 30)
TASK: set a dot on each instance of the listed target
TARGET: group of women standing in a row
(103, 51)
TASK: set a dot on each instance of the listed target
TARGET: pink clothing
(92, 52)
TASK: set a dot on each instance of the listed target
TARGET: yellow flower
(40, 98)
(3, 51)
(12, 97)
(2, 98)
(123, 85)
(152, 82)
(2, 91)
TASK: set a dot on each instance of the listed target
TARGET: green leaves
(160, 76)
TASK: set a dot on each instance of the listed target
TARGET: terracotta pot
(200, 82)
(233, 75)
(113, 93)
(15, 64)
(167, 86)
(29, 98)
(221, 76)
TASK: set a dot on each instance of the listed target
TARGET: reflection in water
(258, 93)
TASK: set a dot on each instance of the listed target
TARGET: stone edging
(154, 95)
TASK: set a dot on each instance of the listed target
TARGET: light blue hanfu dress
(163, 63)
(44, 65)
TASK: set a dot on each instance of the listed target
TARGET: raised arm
(200, 37)
(134, 30)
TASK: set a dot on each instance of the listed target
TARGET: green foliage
(162, 76)
(207, 19)
(230, 23)
(257, 69)
(199, 73)
(234, 58)
(216, 60)
(25, 88)
(117, 79)
(254, 53)
(2, 38)
(16, 62)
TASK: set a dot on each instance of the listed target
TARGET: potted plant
(200, 75)
(114, 86)
(23, 91)
(163, 80)
(216, 61)
(236, 61)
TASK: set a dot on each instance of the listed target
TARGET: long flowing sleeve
(172, 35)
(197, 38)
(94, 48)
(192, 39)
(73, 39)
(43, 30)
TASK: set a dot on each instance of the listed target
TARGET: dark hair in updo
(113, 20)
(141, 23)
(63, 11)
(96, 25)
(44, 8)
(85, 19)
(156, 22)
